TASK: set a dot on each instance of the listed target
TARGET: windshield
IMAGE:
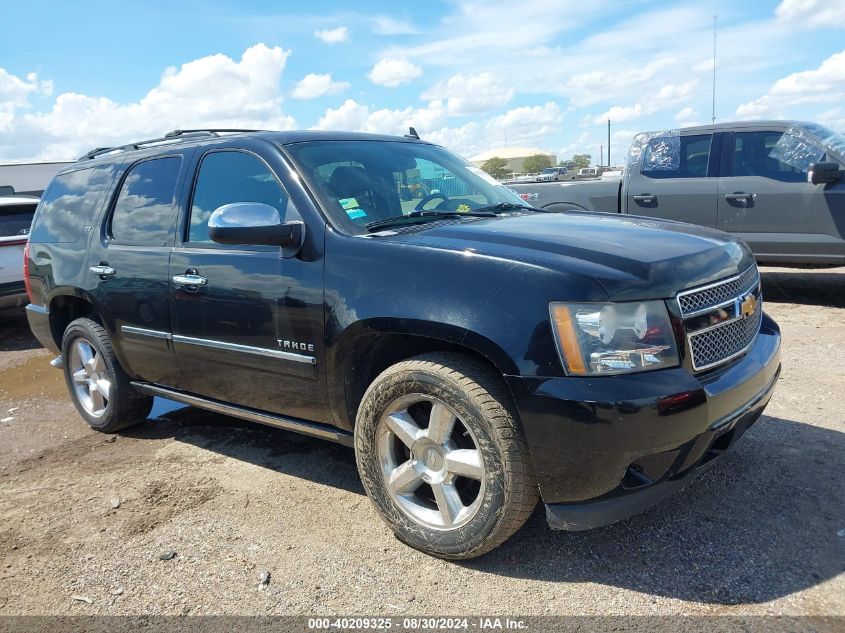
(833, 140)
(361, 182)
(550, 170)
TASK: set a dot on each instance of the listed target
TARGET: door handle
(190, 279)
(740, 196)
(103, 271)
(645, 197)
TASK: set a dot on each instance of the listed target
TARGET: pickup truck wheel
(442, 456)
(97, 384)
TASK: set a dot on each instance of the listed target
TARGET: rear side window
(143, 211)
(677, 156)
(15, 219)
(772, 154)
(232, 176)
(70, 205)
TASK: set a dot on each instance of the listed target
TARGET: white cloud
(213, 91)
(834, 119)
(596, 86)
(333, 36)
(687, 117)
(386, 25)
(430, 122)
(394, 72)
(313, 85)
(526, 125)
(470, 94)
(668, 96)
(811, 13)
(358, 117)
(825, 84)
(15, 93)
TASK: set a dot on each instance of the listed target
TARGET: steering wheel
(429, 198)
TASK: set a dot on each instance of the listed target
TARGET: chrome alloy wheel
(432, 466)
(90, 378)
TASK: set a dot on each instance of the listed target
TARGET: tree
(582, 160)
(496, 167)
(536, 163)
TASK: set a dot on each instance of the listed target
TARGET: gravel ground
(85, 518)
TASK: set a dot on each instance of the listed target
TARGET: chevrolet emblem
(748, 305)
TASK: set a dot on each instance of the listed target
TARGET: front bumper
(609, 447)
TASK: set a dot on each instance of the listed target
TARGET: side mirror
(253, 223)
(823, 173)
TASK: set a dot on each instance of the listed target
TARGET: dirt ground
(84, 517)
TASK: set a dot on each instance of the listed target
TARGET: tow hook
(58, 362)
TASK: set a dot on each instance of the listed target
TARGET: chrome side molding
(224, 345)
(130, 329)
(296, 425)
(247, 349)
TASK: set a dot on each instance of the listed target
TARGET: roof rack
(170, 137)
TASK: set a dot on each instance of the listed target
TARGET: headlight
(613, 338)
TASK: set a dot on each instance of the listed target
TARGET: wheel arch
(369, 347)
(65, 307)
(558, 207)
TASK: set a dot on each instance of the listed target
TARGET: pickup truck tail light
(26, 281)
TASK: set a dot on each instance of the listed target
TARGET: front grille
(723, 342)
(697, 300)
(725, 304)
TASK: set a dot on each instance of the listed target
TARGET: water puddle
(33, 377)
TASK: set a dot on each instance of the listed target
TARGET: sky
(471, 75)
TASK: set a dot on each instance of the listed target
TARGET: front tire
(98, 386)
(442, 456)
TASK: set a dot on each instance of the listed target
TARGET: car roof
(739, 125)
(198, 138)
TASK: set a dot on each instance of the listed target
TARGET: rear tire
(98, 386)
(442, 456)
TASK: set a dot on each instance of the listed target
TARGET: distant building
(514, 157)
(27, 178)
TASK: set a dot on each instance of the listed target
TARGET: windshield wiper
(501, 207)
(424, 214)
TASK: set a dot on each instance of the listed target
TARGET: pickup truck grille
(722, 320)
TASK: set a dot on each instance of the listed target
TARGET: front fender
(494, 307)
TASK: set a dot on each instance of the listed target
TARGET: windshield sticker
(356, 214)
(348, 203)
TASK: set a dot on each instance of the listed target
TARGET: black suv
(385, 294)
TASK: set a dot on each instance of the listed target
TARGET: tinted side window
(771, 154)
(70, 205)
(227, 177)
(143, 212)
(677, 156)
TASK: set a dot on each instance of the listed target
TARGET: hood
(631, 257)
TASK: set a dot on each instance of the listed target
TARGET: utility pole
(713, 114)
(601, 159)
(608, 142)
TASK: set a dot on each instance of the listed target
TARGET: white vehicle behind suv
(15, 219)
